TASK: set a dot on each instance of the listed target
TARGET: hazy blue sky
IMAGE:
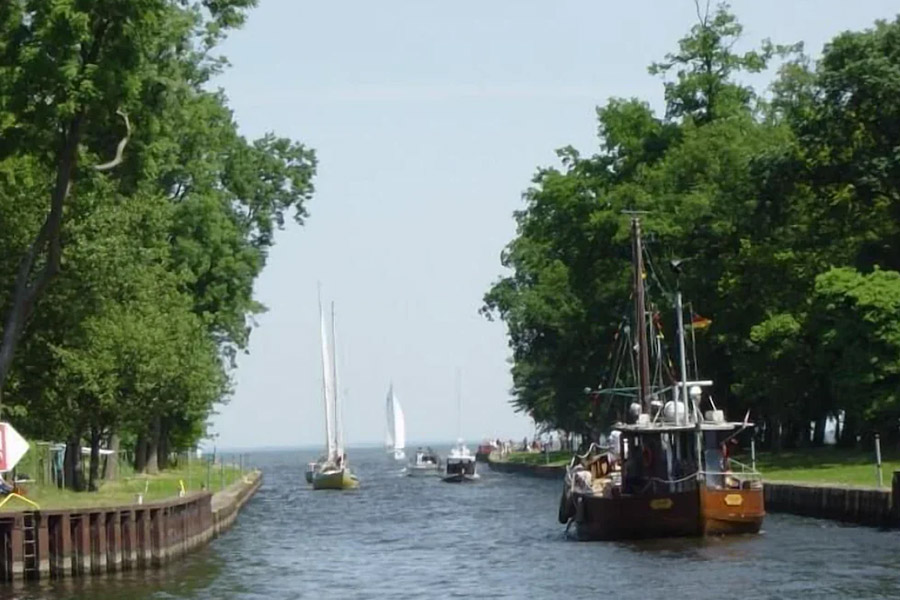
(429, 120)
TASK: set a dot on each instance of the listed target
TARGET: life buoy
(647, 456)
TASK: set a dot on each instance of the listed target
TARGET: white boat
(460, 464)
(426, 462)
(334, 471)
(396, 426)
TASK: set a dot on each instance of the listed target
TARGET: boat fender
(579, 509)
(566, 509)
(647, 456)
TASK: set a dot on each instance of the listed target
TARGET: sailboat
(334, 472)
(666, 471)
(460, 462)
(396, 426)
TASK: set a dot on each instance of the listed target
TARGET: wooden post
(878, 460)
(43, 546)
(64, 561)
(895, 498)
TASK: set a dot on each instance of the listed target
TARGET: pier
(44, 544)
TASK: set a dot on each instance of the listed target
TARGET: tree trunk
(162, 455)
(848, 431)
(777, 436)
(72, 464)
(140, 454)
(40, 263)
(95, 460)
(111, 472)
(153, 448)
(819, 432)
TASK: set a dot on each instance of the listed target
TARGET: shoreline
(76, 542)
(859, 505)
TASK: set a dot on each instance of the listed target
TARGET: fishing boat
(332, 473)
(666, 470)
(426, 462)
(460, 465)
(396, 426)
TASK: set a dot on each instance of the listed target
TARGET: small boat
(332, 473)
(666, 471)
(426, 462)
(484, 451)
(460, 465)
(396, 426)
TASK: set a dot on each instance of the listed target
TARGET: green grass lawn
(124, 490)
(557, 458)
(825, 465)
(811, 465)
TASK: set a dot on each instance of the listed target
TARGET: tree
(69, 71)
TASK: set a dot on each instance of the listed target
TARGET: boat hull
(414, 471)
(637, 517)
(729, 511)
(460, 478)
(341, 479)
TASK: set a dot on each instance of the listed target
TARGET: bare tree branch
(703, 18)
(120, 149)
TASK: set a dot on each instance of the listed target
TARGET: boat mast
(327, 387)
(640, 316)
(682, 359)
(338, 430)
(458, 403)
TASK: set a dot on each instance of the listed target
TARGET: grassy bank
(556, 458)
(826, 465)
(125, 490)
(811, 465)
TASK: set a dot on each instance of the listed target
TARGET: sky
(429, 120)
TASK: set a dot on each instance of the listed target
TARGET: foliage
(786, 206)
(135, 219)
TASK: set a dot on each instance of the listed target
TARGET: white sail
(328, 388)
(399, 425)
(389, 436)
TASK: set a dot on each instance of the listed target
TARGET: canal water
(400, 537)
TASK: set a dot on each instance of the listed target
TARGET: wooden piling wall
(50, 544)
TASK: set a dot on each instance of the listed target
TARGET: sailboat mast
(640, 316)
(338, 429)
(327, 372)
(458, 404)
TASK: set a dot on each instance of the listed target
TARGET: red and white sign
(12, 447)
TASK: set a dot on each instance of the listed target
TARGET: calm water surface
(400, 537)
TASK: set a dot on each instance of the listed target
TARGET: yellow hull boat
(337, 479)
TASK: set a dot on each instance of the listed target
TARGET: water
(401, 537)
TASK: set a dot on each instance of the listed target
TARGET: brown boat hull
(697, 512)
(636, 517)
(726, 512)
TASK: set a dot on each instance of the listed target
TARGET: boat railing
(738, 475)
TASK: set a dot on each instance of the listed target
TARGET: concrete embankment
(863, 506)
(44, 544)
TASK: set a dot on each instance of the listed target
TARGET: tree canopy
(135, 216)
(786, 203)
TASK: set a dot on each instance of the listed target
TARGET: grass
(124, 490)
(557, 458)
(810, 465)
(826, 466)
